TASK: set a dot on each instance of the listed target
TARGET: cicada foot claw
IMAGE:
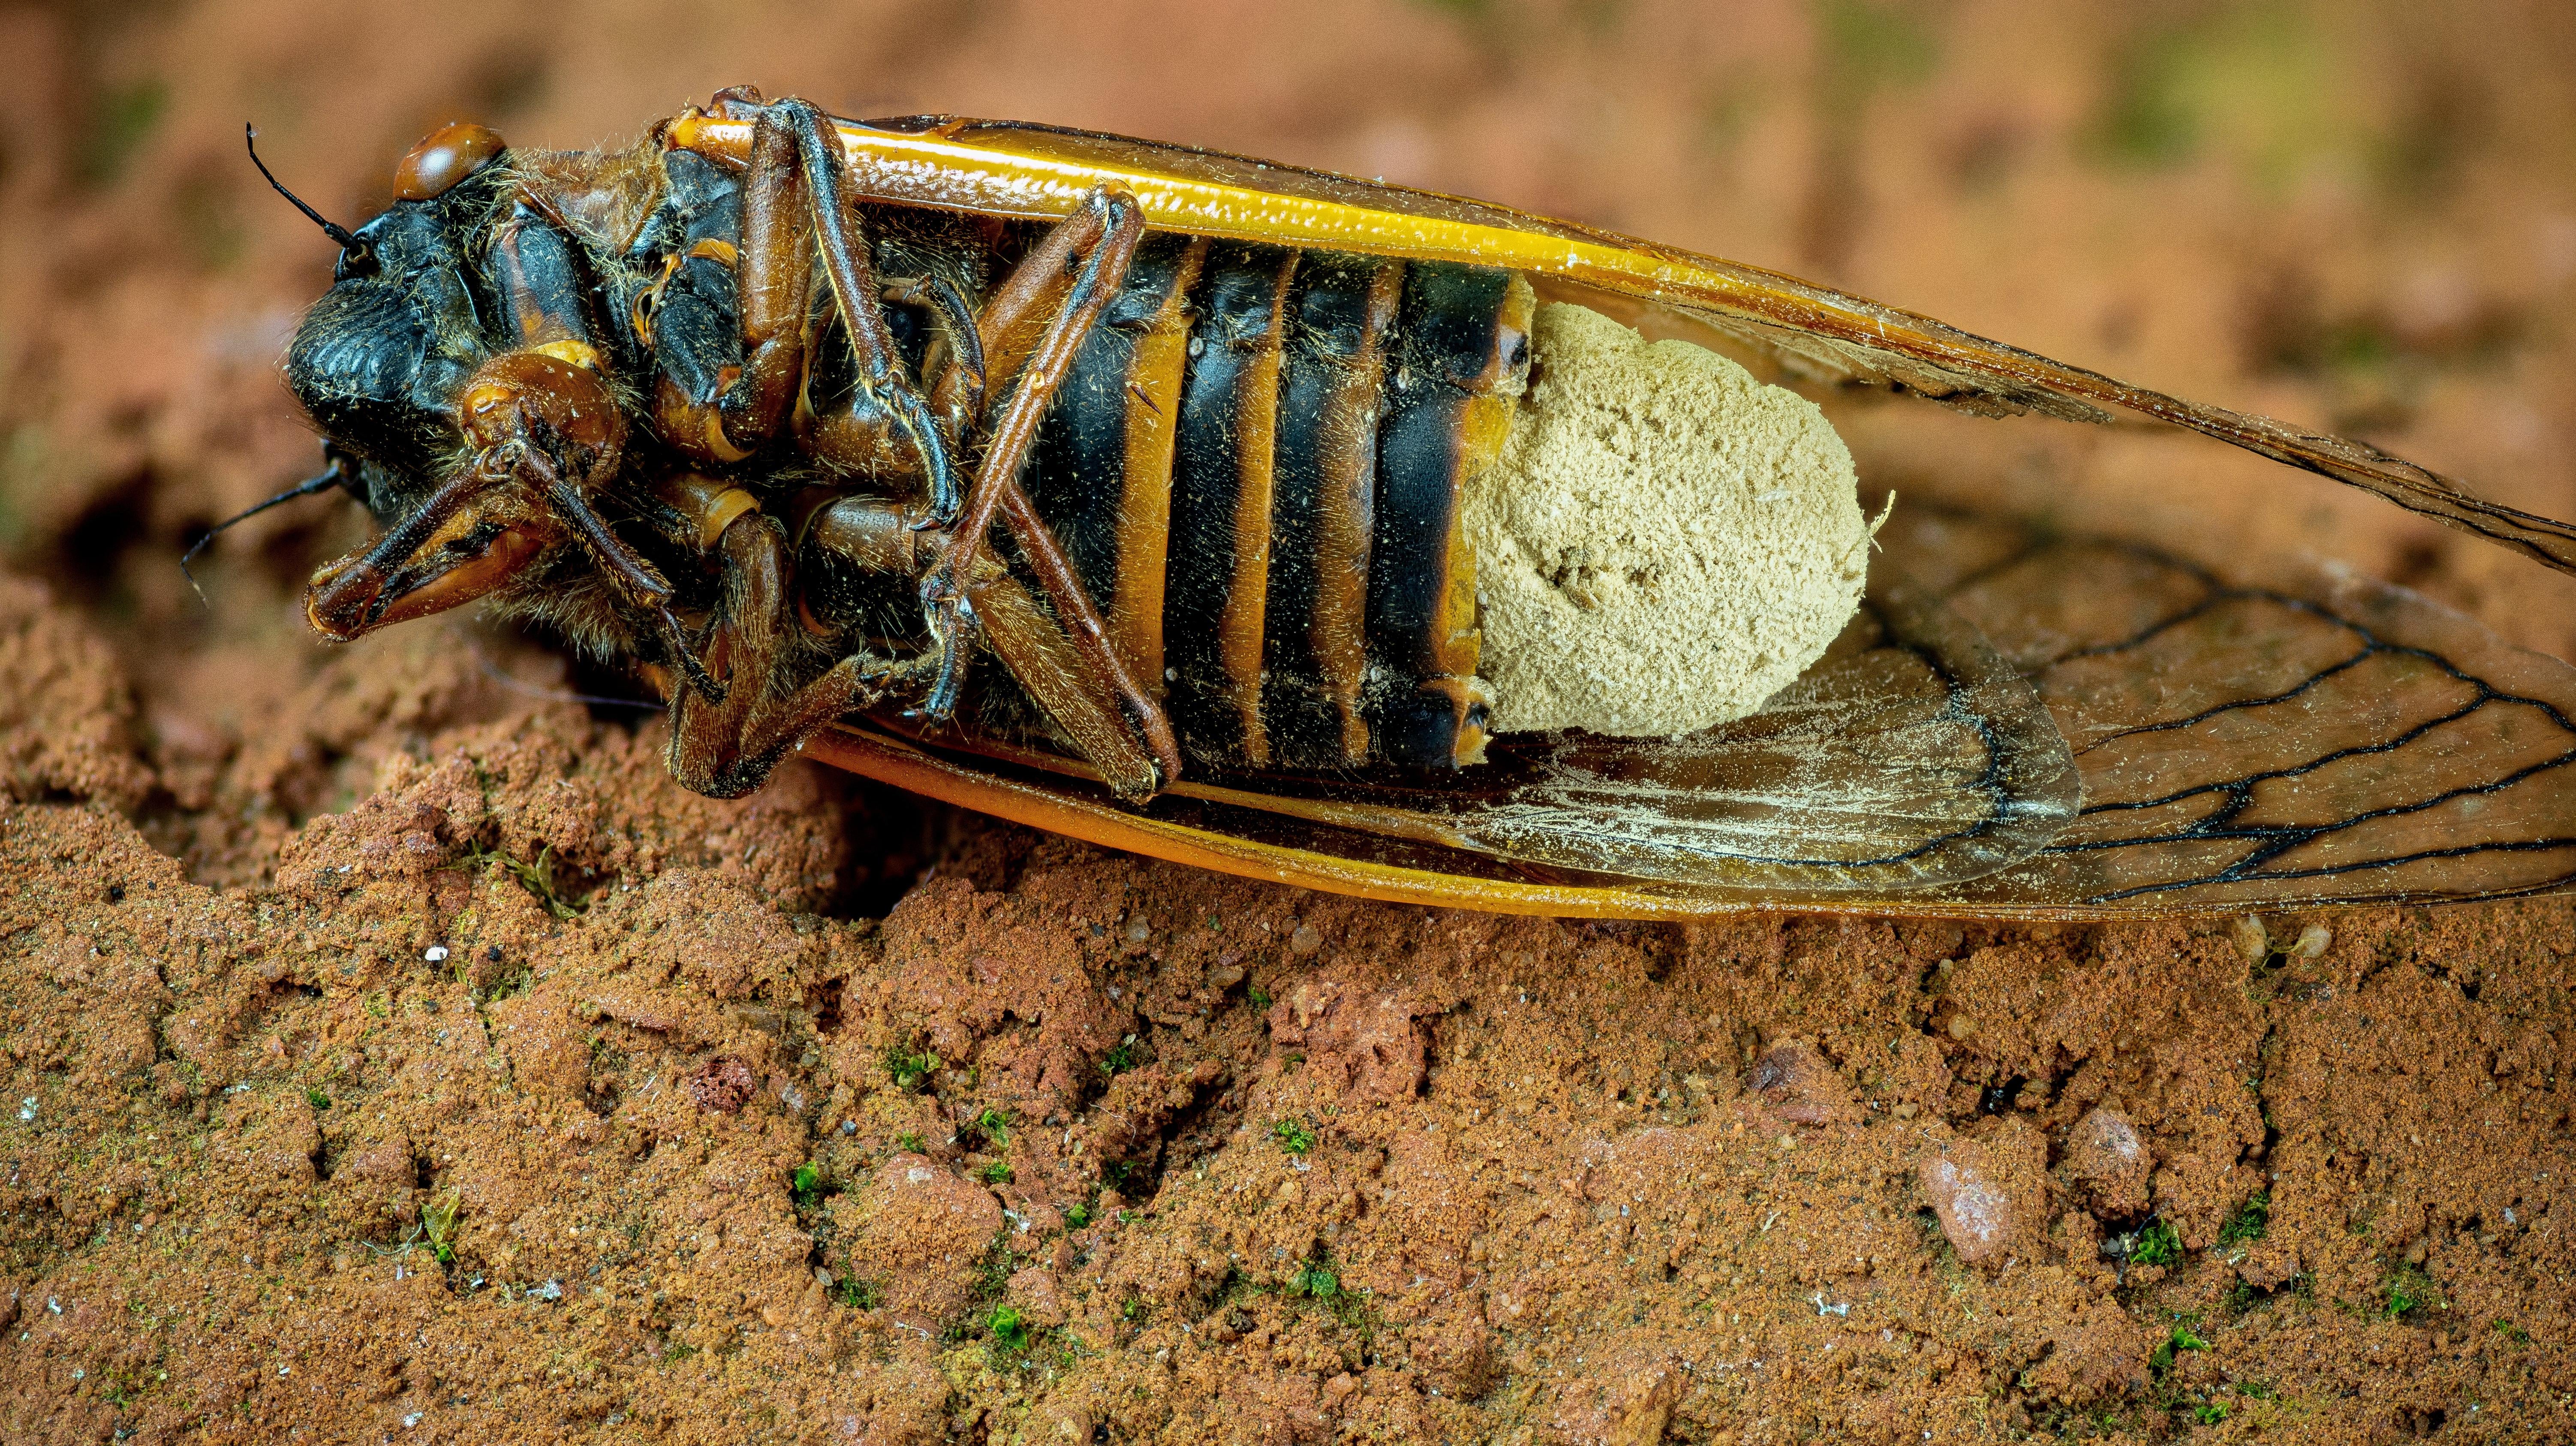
(686, 654)
(951, 620)
(881, 679)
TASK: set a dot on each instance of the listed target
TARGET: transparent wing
(2284, 735)
(2029, 727)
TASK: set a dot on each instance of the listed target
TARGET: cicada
(983, 459)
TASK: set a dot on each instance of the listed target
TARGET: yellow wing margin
(890, 760)
(1015, 169)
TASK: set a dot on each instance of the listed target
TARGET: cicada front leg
(547, 438)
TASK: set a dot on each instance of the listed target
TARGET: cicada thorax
(1256, 468)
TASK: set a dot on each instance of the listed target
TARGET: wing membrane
(1909, 756)
(2287, 735)
(1912, 756)
(1017, 169)
(2284, 737)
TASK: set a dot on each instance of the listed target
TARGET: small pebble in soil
(2106, 1156)
(2252, 940)
(1975, 1212)
(723, 1084)
(435, 953)
(1798, 1085)
(1306, 940)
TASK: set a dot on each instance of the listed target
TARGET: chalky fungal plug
(1665, 541)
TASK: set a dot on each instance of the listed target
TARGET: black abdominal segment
(1271, 444)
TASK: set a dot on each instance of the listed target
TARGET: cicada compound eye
(444, 157)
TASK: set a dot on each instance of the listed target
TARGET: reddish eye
(443, 158)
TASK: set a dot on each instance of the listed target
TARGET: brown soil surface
(393, 1053)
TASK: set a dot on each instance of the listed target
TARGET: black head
(379, 360)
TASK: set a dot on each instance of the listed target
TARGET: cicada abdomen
(1256, 466)
(1318, 594)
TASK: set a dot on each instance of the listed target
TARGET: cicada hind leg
(725, 746)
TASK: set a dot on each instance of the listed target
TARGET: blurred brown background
(2356, 215)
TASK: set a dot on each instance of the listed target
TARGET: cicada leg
(847, 540)
(725, 747)
(1030, 332)
(887, 405)
(1027, 335)
(547, 437)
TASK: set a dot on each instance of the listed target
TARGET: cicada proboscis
(803, 416)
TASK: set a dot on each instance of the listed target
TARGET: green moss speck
(2249, 1222)
(2158, 1244)
(908, 1069)
(1008, 1329)
(2161, 1360)
(438, 1216)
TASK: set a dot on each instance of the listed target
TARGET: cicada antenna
(348, 239)
(335, 473)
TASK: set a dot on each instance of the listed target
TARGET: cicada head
(387, 366)
(378, 362)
